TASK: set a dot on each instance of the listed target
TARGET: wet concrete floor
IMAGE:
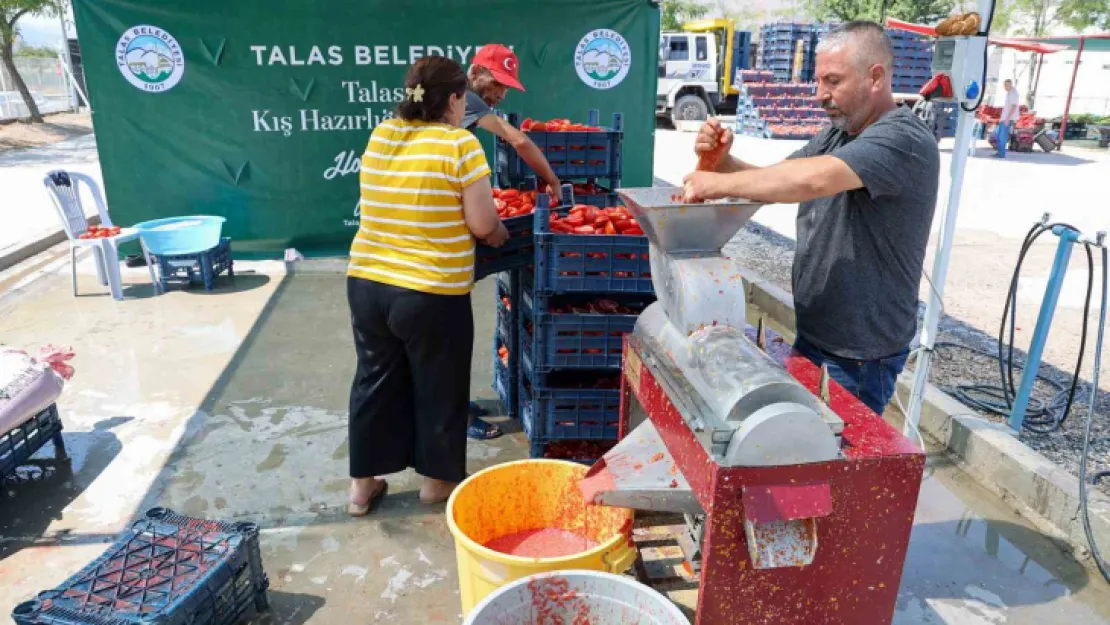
(232, 405)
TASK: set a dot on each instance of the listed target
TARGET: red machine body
(862, 505)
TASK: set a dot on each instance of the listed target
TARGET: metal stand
(1068, 237)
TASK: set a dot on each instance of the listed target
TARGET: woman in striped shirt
(425, 199)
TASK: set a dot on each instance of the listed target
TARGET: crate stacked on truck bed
(779, 110)
(788, 50)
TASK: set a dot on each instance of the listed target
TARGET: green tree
(917, 11)
(38, 52)
(1084, 14)
(11, 11)
(675, 12)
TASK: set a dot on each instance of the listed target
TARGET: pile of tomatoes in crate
(100, 232)
(586, 219)
(503, 354)
(589, 188)
(595, 307)
(514, 203)
(556, 125)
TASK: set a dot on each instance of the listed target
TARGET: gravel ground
(770, 255)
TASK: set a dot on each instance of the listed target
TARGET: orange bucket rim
(484, 551)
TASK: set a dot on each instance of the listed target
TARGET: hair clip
(416, 93)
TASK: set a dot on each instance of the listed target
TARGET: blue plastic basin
(181, 235)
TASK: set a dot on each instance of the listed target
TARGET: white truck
(697, 66)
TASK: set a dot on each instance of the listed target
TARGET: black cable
(1041, 416)
(1083, 504)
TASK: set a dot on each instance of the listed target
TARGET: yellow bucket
(529, 495)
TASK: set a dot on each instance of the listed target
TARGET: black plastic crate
(193, 269)
(507, 334)
(519, 250)
(24, 440)
(167, 569)
(576, 340)
(589, 262)
(572, 155)
(550, 412)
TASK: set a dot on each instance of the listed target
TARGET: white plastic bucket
(575, 596)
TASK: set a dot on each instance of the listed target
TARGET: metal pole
(70, 97)
(1071, 90)
(1036, 81)
(1044, 322)
(940, 270)
(944, 250)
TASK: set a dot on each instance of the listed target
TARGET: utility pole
(71, 99)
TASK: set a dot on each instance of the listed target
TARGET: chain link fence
(47, 81)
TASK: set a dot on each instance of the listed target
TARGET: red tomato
(575, 220)
(585, 230)
(609, 229)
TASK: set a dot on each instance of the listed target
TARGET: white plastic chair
(64, 190)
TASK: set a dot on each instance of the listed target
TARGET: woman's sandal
(361, 510)
(481, 430)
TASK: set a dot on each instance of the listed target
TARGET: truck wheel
(690, 108)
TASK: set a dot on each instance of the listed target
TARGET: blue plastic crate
(199, 268)
(23, 441)
(572, 155)
(590, 262)
(553, 414)
(167, 569)
(576, 340)
(505, 382)
(519, 250)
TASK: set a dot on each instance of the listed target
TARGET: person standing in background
(1009, 115)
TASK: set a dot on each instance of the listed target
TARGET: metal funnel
(678, 228)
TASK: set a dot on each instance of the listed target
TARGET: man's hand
(555, 190)
(498, 238)
(703, 185)
(711, 136)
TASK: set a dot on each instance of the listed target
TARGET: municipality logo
(150, 59)
(602, 58)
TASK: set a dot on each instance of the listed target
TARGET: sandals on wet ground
(480, 430)
(360, 510)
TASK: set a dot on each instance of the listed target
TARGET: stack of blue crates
(582, 296)
(913, 60)
(777, 49)
(561, 375)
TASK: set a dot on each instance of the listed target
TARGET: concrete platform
(232, 405)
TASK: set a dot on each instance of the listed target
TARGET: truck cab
(696, 68)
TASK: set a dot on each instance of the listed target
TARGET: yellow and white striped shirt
(412, 233)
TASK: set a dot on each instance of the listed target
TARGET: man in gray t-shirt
(867, 189)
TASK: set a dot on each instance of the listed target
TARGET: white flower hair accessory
(415, 93)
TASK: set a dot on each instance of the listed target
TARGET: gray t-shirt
(476, 108)
(858, 264)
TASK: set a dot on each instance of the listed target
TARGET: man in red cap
(493, 72)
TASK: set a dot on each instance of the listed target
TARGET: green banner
(260, 110)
